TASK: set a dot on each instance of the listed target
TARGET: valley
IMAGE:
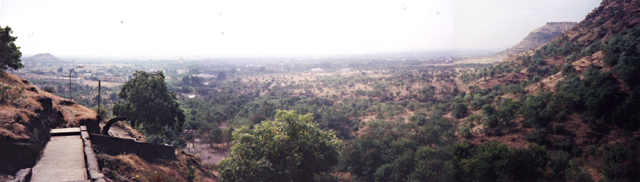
(560, 105)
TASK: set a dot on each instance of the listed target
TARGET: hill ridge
(540, 36)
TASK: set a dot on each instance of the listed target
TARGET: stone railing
(93, 169)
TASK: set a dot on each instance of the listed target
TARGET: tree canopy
(9, 53)
(148, 104)
(291, 148)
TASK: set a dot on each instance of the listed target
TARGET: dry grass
(548, 83)
(15, 118)
(481, 60)
(129, 167)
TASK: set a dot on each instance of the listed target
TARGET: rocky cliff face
(27, 113)
(540, 37)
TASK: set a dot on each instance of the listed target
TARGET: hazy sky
(171, 29)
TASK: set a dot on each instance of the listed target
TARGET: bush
(621, 162)
(559, 164)
(496, 162)
(499, 120)
(598, 95)
(460, 110)
(10, 95)
(464, 131)
(398, 170)
(577, 173)
(538, 110)
(418, 118)
(394, 151)
(50, 89)
(433, 164)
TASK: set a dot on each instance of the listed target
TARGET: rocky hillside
(26, 115)
(129, 167)
(534, 40)
(577, 96)
(540, 36)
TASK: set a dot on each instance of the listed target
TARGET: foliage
(559, 164)
(541, 109)
(496, 162)
(499, 119)
(460, 110)
(621, 162)
(390, 151)
(147, 103)
(622, 52)
(433, 164)
(427, 94)
(598, 94)
(9, 53)
(575, 172)
(10, 95)
(562, 46)
(290, 148)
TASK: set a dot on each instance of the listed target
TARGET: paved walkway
(62, 159)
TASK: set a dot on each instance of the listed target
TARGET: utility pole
(70, 96)
(99, 99)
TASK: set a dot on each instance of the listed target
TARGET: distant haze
(209, 28)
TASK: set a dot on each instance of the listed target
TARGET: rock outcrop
(27, 113)
(540, 37)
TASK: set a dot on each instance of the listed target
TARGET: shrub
(433, 164)
(10, 95)
(460, 110)
(496, 162)
(621, 162)
(577, 173)
(559, 164)
(50, 89)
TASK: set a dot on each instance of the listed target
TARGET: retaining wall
(115, 146)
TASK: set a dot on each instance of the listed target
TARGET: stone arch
(106, 127)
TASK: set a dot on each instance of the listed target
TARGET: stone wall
(114, 146)
(93, 169)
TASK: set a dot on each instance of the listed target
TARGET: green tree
(497, 162)
(427, 94)
(9, 53)
(148, 104)
(291, 148)
(434, 164)
(460, 110)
